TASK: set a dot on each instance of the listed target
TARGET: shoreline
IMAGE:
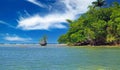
(100, 46)
(58, 45)
(32, 45)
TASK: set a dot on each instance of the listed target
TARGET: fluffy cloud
(56, 19)
(16, 38)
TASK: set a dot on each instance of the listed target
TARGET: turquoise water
(62, 58)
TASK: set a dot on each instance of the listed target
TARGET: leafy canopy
(95, 27)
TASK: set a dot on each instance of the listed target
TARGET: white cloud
(36, 3)
(16, 38)
(55, 20)
(37, 22)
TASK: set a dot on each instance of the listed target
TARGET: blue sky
(26, 21)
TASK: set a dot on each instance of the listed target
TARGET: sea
(30, 57)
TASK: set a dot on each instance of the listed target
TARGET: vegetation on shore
(100, 25)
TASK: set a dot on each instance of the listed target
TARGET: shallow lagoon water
(59, 58)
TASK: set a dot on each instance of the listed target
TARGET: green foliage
(44, 38)
(63, 39)
(96, 27)
(98, 3)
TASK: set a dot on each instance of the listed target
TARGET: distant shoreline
(32, 45)
(56, 45)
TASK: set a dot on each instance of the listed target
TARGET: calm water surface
(62, 58)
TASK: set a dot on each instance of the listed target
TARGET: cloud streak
(36, 3)
(5, 23)
(55, 19)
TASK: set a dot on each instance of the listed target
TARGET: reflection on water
(59, 58)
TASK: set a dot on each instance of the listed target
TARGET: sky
(27, 21)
